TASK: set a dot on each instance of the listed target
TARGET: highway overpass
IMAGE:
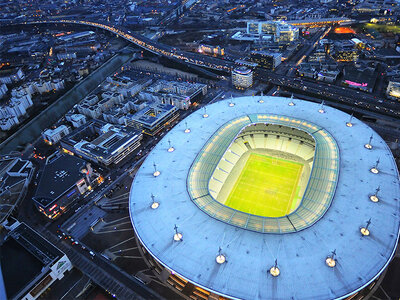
(155, 47)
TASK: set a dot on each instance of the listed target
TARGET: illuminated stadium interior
(265, 170)
(266, 197)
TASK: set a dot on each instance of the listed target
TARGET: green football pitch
(267, 186)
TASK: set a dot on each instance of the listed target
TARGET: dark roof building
(15, 176)
(64, 179)
(361, 78)
(29, 263)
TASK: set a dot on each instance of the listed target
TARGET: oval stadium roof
(301, 255)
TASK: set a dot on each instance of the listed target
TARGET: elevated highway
(155, 47)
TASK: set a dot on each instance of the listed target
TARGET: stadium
(268, 198)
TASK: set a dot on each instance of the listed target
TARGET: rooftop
(100, 138)
(153, 113)
(24, 247)
(242, 70)
(58, 176)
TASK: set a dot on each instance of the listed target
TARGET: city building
(328, 75)
(345, 51)
(53, 136)
(179, 94)
(15, 176)
(152, 119)
(8, 122)
(318, 55)
(363, 78)
(10, 74)
(326, 241)
(13, 110)
(393, 88)
(114, 101)
(63, 180)
(213, 50)
(242, 77)
(3, 90)
(29, 263)
(267, 60)
(77, 120)
(372, 7)
(101, 143)
(126, 86)
(277, 31)
(66, 55)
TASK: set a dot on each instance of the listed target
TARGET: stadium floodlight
(349, 124)
(154, 204)
(374, 198)
(220, 259)
(291, 103)
(322, 110)
(331, 259)
(156, 172)
(374, 169)
(170, 149)
(205, 115)
(364, 230)
(187, 129)
(261, 98)
(369, 145)
(274, 271)
(231, 104)
(177, 236)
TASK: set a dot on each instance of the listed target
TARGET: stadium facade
(336, 242)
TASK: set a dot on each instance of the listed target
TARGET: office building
(242, 77)
(77, 120)
(63, 180)
(212, 50)
(393, 89)
(280, 31)
(267, 60)
(53, 136)
(102, 143)
(154, 118)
